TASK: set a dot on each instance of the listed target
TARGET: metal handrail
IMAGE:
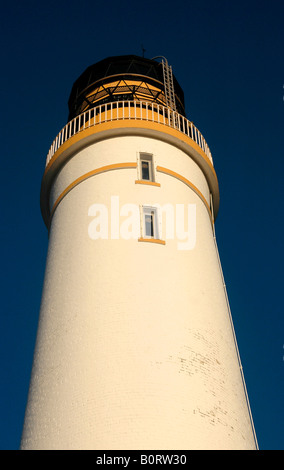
(123, 110)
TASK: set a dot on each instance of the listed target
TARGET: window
(151, 228)
(150, 222)
(146, 167)
(149, 225)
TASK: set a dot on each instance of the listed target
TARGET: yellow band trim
(102, 169)
(188, 183)
(152, 240)
(151, 183)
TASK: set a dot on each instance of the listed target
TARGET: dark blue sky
(229, 60)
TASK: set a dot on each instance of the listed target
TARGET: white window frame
(147, 157)
(151, 211)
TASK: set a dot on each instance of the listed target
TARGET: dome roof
(121, 78)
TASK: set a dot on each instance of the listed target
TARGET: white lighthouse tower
(135, 346)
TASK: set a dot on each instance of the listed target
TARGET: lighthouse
(135, 346)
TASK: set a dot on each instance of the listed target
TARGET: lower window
(150, 222)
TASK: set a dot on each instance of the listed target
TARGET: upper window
(146, 167)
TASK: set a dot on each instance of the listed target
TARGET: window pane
(145, 170)
(149, 225)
